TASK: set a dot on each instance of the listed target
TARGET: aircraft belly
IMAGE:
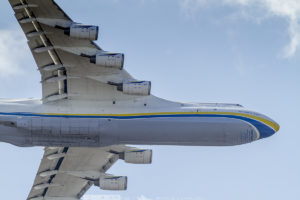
(65, 132)
(94, 132)
(15, 136)
(216, 131)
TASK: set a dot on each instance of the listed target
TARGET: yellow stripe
(271, 124)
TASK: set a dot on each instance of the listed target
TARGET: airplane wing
(68, 173)
(71, 64)
(74, 67)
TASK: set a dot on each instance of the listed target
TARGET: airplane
(92, 108)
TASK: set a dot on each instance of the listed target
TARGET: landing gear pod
(83, 31)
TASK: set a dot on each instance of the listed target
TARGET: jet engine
(142, 88)
(138, 157)
(114, 60)
(83, 31)
(113, 183)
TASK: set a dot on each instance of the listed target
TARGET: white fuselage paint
(147, 121)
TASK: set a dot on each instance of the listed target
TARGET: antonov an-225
(91, 108)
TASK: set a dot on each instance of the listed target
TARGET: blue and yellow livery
(193, 127)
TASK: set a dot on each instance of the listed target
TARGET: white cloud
(141, 197)
(189, 7)
(13, 52)
(102, 197)
(287, 9)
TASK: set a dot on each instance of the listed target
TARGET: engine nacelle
(138, 156)
(83, 31)
(142, 88)
(113, 183)
(114, 60)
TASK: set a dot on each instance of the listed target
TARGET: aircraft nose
(269, 129)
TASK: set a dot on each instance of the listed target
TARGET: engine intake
(142, 88)
(138, 156)
(83, 31)
(113, 183)
(114, 60)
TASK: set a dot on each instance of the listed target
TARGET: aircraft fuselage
(30, 123)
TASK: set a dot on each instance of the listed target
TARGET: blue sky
(232, 51)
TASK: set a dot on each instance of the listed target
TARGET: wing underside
(67, 173)
(63, 61)
(69, 71)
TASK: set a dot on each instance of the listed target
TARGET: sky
(226, 51)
